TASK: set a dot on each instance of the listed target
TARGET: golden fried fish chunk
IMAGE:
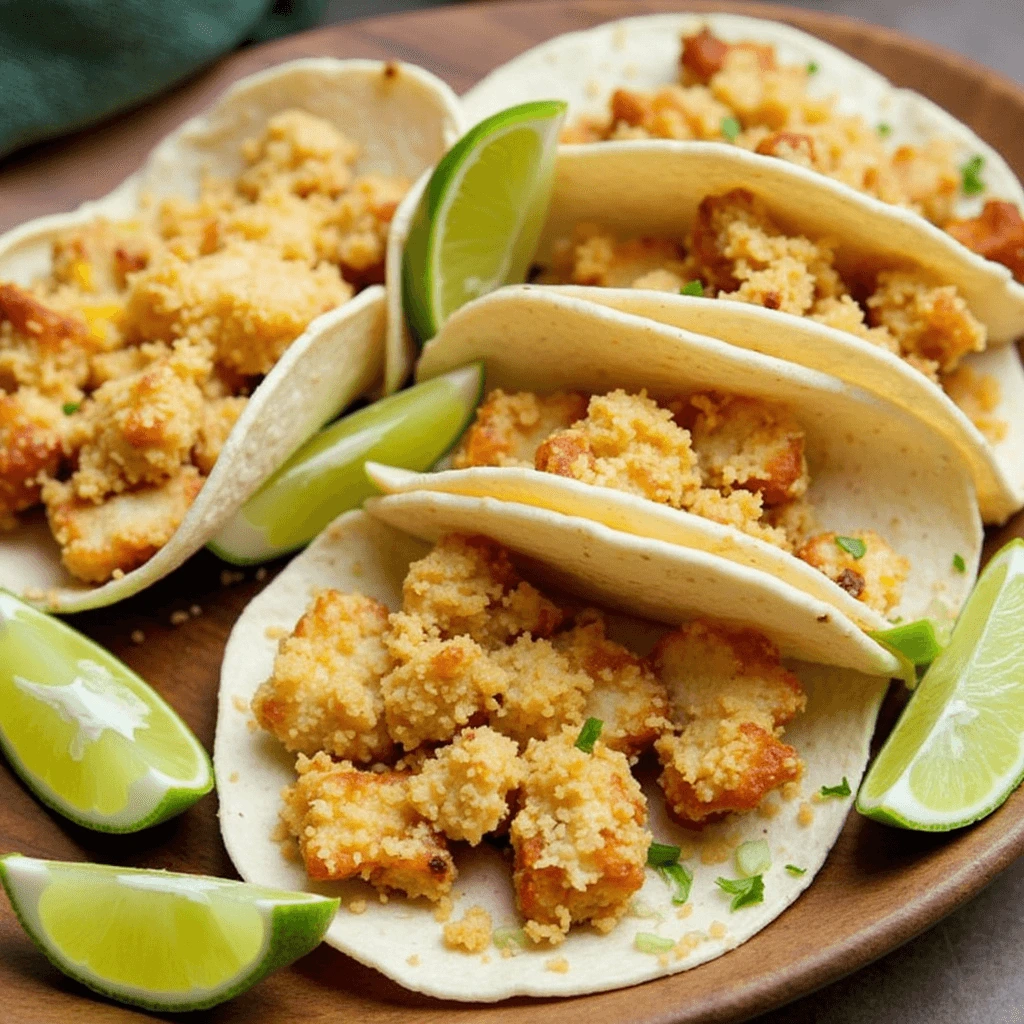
(350, 823)
(729, 695)
(875, 577)
(324, 693)
(463, 789)
(580, 837)
(31, 428)
(595, 257)
(218, 419)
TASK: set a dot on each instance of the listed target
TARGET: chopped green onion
(852, 546)
(648, 942)
(959, 564)
(970, 175)
(642, 909)
(660, 854)
(71, 407)
(917, 641)
(509, 937)
(745, 892)
(794, 870)
(588, 735)
(884, 129)
(694, 287)
(812, 67)
(731, 128)
(843, 789)
(680, 877)
(753, 857)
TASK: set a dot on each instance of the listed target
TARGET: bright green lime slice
(85, 733)
(957, 751)
(325, 477)
(157, 939)
(477, 225)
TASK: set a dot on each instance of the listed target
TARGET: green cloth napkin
(67, 63)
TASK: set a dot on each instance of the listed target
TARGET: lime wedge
(957, 751)
(157, 939)
(477, 225)
(85, 733)
(325, 477)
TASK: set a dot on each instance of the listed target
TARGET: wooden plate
(880, 886)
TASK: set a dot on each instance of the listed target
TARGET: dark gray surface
(968, 969)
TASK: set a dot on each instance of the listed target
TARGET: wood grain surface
(880, 886)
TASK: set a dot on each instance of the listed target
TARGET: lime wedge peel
(89, 737)
(411, 429)
(481, 214)
(957, 751)
(157, 939)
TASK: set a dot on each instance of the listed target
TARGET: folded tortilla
(403, 120)
(872, 464)
(370, 553)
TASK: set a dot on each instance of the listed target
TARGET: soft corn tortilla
(872, 464)
(401, 938)
(404, 119)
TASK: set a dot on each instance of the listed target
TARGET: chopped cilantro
(959, 564)
(694, 287)
(843, 789)
(731, 128)
(648, 942)
(917, 641)
(679, 877)
(813, 67)
(588, 735)
(794, 870)
(852, 546)
(884, 129)
(71, 407)
(745, 892)
(660, 854)
(970, 175)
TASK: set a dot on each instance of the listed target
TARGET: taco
(396, 717)
(164, 349)
(671, 435)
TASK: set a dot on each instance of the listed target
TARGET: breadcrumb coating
(471, 934)
(463, 789)
(579, 837)
(31, 434)
(730, 696)
(325, 692)
(997, 233)
(594, 257)
(351, 823)
(876, 578)
(218, 419)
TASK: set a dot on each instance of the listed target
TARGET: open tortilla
(403, 119)
(872, 464)
(402, 938)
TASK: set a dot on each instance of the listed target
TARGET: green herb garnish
(884, 129)
(588, 735)
(509, 938)
(843, 789)
(812, 67)
(916, 641)
(692, 288)
(648, 942)
(794, 870)
(679, 877)
(852, 546)
(660, 854)
(745, 892)
(753, 858)
(71, 407)
(731, 128)
(970, 175)
(959, 564)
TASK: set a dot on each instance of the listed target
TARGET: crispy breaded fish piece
(351, 823)
(467, 586)
(508, 428)
(627, 697)
(463, 789)
(324, 693)
(127, 529)
(31, 431)
(876, 577)
(579, 837)
(218, 418)
(436, 686)
(730, 696)
(627, 442)
(997, 233)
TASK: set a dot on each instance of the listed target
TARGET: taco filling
(735, 460)
(486, 710)
(123, 371)
(740, 93)
(736, 250)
